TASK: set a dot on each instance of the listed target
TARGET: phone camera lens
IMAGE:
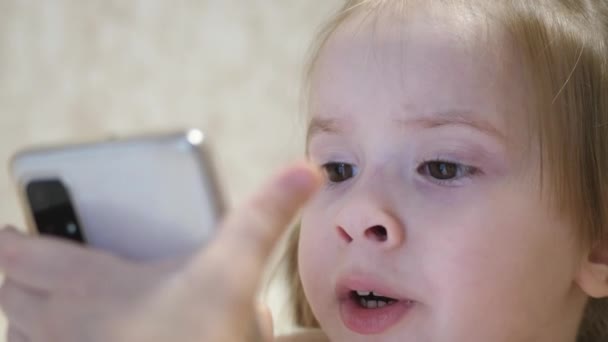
(71, 228)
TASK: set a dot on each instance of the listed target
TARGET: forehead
(396, 68)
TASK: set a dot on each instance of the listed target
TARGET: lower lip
(372, 321)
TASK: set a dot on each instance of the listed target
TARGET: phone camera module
(52, 209)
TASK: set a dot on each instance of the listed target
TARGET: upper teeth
(364, 293)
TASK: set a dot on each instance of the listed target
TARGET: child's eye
(339, 172)
(444, 171)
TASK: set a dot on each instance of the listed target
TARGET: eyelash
(462, 171)
(425, 168)
(331, 167)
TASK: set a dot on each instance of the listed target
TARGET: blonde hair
(563, 44)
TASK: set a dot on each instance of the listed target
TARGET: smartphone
(144, 198)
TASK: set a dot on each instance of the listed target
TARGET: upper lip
(350, 282)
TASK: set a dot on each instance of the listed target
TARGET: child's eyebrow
(452, 117)
(320, 125)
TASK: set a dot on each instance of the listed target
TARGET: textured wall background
(74, 70)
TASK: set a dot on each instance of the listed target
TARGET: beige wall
(86, 69)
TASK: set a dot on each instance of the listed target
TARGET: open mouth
(371, 312)
(371, 300)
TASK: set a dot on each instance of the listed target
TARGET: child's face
(434, 197)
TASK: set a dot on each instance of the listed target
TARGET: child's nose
(370, 225)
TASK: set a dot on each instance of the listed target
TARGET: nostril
(378, 233)
(344, 235)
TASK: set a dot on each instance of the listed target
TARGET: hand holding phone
(143, 198)
(58, 291)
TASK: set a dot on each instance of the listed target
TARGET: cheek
(506, 254)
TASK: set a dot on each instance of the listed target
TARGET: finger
(248, 235)
(172, 265)
(15, 335)
(47, 264)
(20, 305)
(10, 228)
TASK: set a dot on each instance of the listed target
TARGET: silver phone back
(144, 198)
